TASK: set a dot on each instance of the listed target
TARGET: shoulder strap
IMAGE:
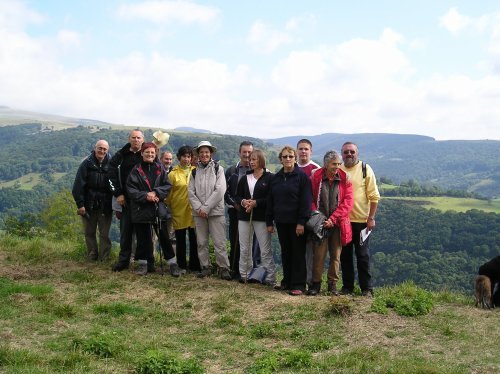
(216, 170)
(363, 169)
(193, 173)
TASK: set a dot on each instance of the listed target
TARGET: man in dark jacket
(120, 166)
(92, 195)
(233, 176)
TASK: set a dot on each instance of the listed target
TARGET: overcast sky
(265, 68)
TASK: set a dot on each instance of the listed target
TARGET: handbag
(315, 225)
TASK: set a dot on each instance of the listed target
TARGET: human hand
(299, 230)
(121, 200)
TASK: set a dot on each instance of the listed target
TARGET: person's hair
(134, 130)
(149, 145)
(349, 143)
(184, 150)
(305, 141)
(330, 156)
(243, 143)
(163, 153)
(260, 156)
(288, 148)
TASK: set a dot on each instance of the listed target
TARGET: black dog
(491, 269)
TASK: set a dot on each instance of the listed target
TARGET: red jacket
(340, 216)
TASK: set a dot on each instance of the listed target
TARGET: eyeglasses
(288, 156)
(348, 151)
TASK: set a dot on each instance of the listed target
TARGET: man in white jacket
(206, 194)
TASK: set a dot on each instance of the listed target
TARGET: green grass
(444, 203)
(28, 181)
(61, 314)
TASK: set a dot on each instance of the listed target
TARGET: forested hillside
(472, 165)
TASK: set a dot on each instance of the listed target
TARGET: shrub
(340, 306)
(406, 299)
(156, 362)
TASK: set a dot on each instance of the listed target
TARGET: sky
(261, 68)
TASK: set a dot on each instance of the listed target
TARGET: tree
(59, 216)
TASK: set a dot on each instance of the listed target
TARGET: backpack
(216, 170)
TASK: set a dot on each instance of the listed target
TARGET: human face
(167, 159)
(136, 138)
(254, 162)
(304, 152)
(204, 155)
(245, 152)
(288, 160)
(350, 155)
(185, 159)
(332, 167)
(149, 155)
(101, 149)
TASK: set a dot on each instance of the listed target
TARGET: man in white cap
(206, 194)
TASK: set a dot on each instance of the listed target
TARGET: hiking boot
(142, 267)
(346, 291)
(119, 266)
(225, 275)
(332, 289)
(314, 289)
(151, 267)
(174, 270)
(367, 293)
(205, 272)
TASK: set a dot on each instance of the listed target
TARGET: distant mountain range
(456, 164)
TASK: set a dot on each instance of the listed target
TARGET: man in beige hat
(206, 194)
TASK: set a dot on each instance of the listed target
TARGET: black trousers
(234, 254)
(180, 238)
(293, 256)
(126, 236)
(362, 258)
(144, 232)
(492, 270)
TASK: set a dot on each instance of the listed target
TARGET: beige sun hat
(160, 138)
(205, 143)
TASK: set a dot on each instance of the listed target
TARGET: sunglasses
(288, 156)
(346, 152)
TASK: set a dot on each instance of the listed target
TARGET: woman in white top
(252, 196)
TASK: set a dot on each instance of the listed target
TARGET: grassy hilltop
(61, 314)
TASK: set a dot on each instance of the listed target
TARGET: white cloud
(266, 39)
(14, 15)
(157, 11)
(68, 38)
(455, 22)
(360, 85)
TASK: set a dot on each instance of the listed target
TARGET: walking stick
(157, 228)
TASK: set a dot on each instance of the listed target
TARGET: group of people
(171, 203)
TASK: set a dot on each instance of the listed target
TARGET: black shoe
(346, 291)
(312, 292)
(205, 272)
(224, 274)
(367, 293)
(174, 270)
(151, 268)
(119, 266)
(332, 289)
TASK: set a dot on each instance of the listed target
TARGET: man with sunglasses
(366, 198)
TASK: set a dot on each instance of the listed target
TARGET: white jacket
(206, 190)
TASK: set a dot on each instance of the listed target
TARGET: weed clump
(406, 299)
(340, 306)
(99, 345)
(277, 361)
(156, 362)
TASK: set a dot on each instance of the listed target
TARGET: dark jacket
(232, 179)
(260, 194)
(120, 166)
(91, 186)
(289, 199)
(138, 185)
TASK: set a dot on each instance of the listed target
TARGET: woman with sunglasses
(289, 207)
